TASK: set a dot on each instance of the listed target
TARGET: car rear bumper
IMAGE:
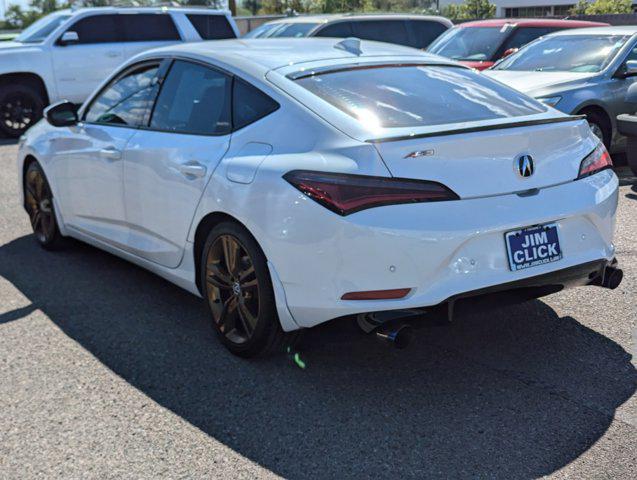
(441, 251)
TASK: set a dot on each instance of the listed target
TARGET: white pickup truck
(66, 55)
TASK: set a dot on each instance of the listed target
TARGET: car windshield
(418, 95)
(470, 43)
(566, 53)
(289, 30)
(40, 30)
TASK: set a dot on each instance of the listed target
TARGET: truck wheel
(20, 108)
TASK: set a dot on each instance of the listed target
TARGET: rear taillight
(599, 159)
(346, 193)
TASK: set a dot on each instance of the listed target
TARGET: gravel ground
(107, 371)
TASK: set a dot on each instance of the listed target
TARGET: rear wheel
(21, 107)
(39, 204)
(238, 292)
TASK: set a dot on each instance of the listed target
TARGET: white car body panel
(439, 250)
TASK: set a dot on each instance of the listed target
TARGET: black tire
(38, 202)
(21, 106)
(244, 334)
(599, 123)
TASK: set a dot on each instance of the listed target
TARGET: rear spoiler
(483, 128)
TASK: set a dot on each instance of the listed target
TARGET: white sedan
(292, 183)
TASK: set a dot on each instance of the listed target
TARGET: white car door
(145, 31)
(80, 66)
(88, 165)
(168, 165)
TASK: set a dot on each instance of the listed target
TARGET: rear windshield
(470, 43)
(418, 95)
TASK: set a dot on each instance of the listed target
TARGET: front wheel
(20, 108)
(600, 127)
(38, 200)
(238, 292)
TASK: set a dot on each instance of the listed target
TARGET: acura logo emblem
(525, 166)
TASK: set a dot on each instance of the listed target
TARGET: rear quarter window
(249, 104)
(418, 95)
(211, 27)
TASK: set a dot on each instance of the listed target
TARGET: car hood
(533, 83)
(15, 47)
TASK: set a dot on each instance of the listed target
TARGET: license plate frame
(532, 246)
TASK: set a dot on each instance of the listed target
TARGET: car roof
(618, 30)
(259, 56)
(327, 18)
(105, 10)
(532, 22)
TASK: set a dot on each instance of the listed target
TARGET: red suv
(481, 43)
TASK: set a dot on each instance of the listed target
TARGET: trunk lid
(485, 162)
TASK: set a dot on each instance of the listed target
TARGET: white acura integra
(291, 183)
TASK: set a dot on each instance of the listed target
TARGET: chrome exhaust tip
(400, 337)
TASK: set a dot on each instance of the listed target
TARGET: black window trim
(121, 30)
(165, 65)
(123, 73)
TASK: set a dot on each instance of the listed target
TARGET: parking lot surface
(107, 371)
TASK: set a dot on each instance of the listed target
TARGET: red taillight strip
(377, 294)
(596, 161)
(345, 193)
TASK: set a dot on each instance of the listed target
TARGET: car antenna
(350, 45)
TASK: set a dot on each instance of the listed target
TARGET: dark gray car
(583, 71)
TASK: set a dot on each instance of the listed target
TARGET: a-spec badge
(420, 153)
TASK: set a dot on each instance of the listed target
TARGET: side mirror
(629, 69)
(62, 114)
(68, 38)
(509, 51)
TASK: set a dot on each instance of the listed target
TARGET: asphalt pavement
(107, 371)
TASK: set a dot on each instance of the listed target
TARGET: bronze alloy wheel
(232, 288)
(39, 205)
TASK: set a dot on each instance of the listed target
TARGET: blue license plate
(533, 246)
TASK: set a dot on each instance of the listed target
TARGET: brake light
(346, 193)
(377, 294)
(598, 160)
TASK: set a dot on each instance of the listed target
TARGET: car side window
(149, 27)
(126, 101)
(424, 32)
(211, 27)
(249, 104)
(391, 31)
(194, 99)
(336, 30)
(98, 29)
(523, 35)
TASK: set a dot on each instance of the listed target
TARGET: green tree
(601, 7)
(470, 9)
(579, 8)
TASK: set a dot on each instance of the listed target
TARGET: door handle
(110, 153)
(192, 170)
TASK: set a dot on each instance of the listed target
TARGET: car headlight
(550, 101)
